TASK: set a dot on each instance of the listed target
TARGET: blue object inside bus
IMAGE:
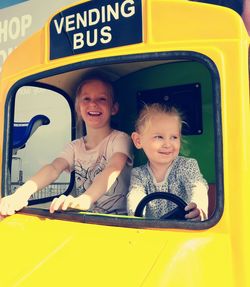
(22, 131)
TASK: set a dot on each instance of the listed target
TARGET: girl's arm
(197, 186)
(136, 192)
(200, 199)
(49, 173)
(100, 185)
(105, 179)
(46, 175)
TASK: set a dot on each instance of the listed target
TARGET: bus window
(37, 143)
(175, 81)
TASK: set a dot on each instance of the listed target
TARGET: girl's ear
(136, 138)
(115, 109)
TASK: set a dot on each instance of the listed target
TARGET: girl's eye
(158, 137)
(85, 100)
(174, 137)
(102, 99)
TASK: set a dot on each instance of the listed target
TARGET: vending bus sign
(95, 25)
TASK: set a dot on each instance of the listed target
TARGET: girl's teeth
(94, 113)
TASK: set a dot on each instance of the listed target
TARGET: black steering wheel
(176, 213)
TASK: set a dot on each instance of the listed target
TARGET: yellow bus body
(40, 250)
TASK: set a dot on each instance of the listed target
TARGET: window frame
(113, 220)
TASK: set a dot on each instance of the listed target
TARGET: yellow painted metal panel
(53, 252)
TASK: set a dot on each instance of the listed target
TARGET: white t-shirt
(88, 163)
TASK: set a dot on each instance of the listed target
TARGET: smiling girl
(158, 133)
(101, 160)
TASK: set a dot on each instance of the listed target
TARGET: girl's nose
(93, 102)
(166, 143)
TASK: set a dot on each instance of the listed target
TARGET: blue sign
(95, 25)
(8, 3)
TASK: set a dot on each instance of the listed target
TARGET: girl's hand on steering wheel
(194, 213)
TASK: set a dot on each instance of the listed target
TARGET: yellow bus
(189, 54)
